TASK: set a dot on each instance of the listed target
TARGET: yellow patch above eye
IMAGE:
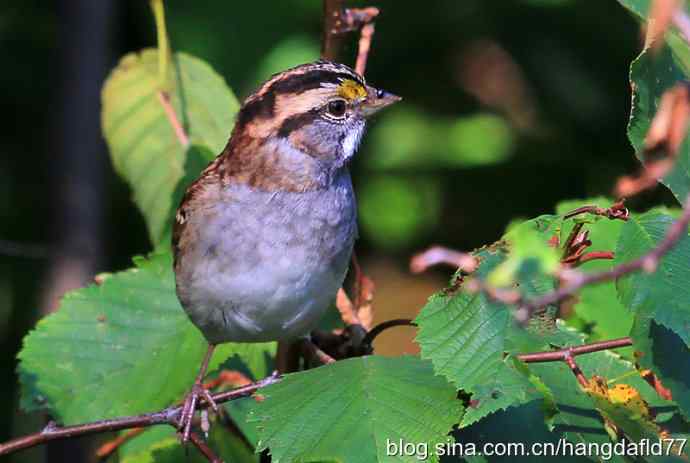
(351, 90)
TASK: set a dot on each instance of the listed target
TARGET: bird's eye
(337, 108)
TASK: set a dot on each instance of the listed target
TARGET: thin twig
(311, 351)
(437, 255)
(339, 20)
(569, 360)
(169, 416)
(180, 133)
(616, 211)
(655, 382)
(560, 355)
(204, 449)
(364, 46)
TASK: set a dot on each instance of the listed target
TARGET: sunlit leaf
(350, 410)
(466, 336)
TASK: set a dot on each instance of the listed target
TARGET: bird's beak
(377, 100)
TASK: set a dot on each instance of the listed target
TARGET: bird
(262, 239)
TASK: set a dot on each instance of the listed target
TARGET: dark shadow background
(509, 106)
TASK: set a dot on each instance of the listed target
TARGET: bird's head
(318, 110)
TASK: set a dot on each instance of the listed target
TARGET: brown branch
(332, 29)
(180, 133)
(561, 354)
(570, 361)
(365, 37)
(339, 20)
(575, 280)
(616, 211)
(204, 449)
(169, 416)
(655, 382)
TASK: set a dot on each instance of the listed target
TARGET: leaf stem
(163, 45)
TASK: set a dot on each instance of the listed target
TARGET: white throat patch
(351, 141)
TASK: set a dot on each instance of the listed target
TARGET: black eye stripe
(295, 122)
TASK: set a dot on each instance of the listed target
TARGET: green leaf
(597, 306)
(352, 410)
(528, 246)
(118, 348)
(143, 145)
(466, 336)
(651, 74)
(663, 352)
(663, 295)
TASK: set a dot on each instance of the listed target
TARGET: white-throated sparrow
(262, 239)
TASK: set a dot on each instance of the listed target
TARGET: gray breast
(267, 264)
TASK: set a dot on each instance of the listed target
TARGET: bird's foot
(191, 403)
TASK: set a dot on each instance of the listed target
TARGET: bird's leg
(192, 400)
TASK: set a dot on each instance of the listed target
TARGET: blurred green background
(509, 106)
